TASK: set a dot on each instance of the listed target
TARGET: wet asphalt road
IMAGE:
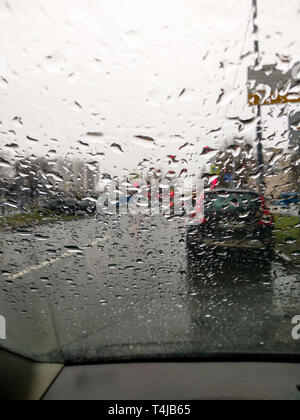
(124, 286)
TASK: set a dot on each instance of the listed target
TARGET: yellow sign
(270, 86)
(215, 170)
(255, 99)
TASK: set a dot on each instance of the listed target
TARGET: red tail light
(268, 218)
(263, 201)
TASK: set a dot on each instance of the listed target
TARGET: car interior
(22, 379)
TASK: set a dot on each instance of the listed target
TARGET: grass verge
(32, 219)
(287, 227)
(287, 236)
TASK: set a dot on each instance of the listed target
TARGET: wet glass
(149, 179)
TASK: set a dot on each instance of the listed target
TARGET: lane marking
(50, 262)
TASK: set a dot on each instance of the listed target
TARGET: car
(86, 206)
(232, 219)
(70, 206)
(288, 199)
(60, 206)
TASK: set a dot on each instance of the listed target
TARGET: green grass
(31, 219)
(287, 236)
(287, 227)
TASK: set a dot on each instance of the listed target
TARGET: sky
(78, 77)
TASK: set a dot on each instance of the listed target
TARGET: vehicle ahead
(233, 219)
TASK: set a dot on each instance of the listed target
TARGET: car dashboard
(22, 379)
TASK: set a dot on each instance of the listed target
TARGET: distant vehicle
(87, 206)
(288, 199)
(61, 206)
(70, 206)
(233, 219)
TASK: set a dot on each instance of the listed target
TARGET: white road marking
(50, 262)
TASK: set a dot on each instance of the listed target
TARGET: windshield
(149, 179)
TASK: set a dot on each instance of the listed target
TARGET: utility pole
(259, 116)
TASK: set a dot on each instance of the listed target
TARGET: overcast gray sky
(72, 67)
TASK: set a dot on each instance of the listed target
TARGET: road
(124, 286)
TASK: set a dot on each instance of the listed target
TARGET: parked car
(288, 199)
(232, 219)
(60, 206)
(87, 206)
(70, 206)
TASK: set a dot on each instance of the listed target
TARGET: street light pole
(259, 116)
